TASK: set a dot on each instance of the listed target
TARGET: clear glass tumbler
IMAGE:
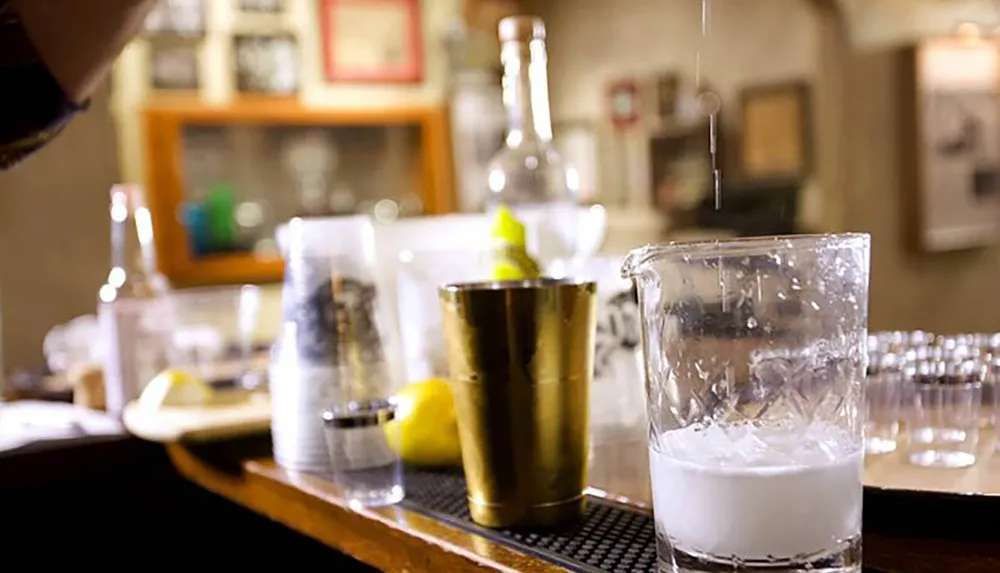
(755, 356)
(944, 422)
(214, 330)
(882, 411)
(991, 393)
(359, 436)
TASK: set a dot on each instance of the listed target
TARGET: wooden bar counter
(905, 531)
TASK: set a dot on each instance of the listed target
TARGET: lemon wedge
(425, 429)
(172, 388)
(511, 258)
(507, 228)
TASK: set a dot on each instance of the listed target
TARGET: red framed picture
(623, 103)
(371, 41)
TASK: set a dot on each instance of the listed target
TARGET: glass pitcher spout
(637, 263)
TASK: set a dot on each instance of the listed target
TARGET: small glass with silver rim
(360, 438)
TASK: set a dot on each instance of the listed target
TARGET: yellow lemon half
(425, 429)
(174, 387)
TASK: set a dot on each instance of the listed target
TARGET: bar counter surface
(905, 531)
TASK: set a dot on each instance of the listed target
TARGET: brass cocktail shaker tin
(521, 356)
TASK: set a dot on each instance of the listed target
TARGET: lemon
(425, 429)
(507, 228)
(174, 387)
(512, 260)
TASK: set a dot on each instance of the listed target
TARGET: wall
(54, 242)
(855, 95)
(887, 23)
(593, 42)
(945, 292)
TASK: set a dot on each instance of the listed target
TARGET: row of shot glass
(939, 389)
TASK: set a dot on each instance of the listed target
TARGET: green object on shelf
(220, 205)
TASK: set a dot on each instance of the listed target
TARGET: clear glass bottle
(141, 279)
(527, 174)
(133, 319)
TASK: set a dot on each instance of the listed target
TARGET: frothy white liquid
(731, 492)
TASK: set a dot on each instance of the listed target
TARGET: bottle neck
(526, 92)
(147, 249)
(136, 272)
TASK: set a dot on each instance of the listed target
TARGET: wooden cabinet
(393, 162)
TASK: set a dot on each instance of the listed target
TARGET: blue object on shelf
(195, 218)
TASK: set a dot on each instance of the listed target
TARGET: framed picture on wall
(665, 89)
(680, 169)
(776, 135)
(951, 173)
(267, 6)
(371, 41)
(267, 64)
(176, 17)
(623, 103)
(174, 67)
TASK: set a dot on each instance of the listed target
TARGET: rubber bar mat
(610, 538)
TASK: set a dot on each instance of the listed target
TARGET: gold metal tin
(521, 356)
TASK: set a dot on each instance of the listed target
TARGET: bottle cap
(521, 29)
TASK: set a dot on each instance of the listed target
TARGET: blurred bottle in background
(527, 174)
(131, 313)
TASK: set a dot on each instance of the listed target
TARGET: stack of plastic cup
(330, 348)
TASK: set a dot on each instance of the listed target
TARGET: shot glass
(755, 354)
(944, 424)
(365, 468)
(882, 411)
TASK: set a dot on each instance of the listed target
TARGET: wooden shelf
(225, 269)
(165, 119)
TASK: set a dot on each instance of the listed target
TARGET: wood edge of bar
(390, 539)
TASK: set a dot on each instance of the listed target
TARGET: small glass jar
(364, 466)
